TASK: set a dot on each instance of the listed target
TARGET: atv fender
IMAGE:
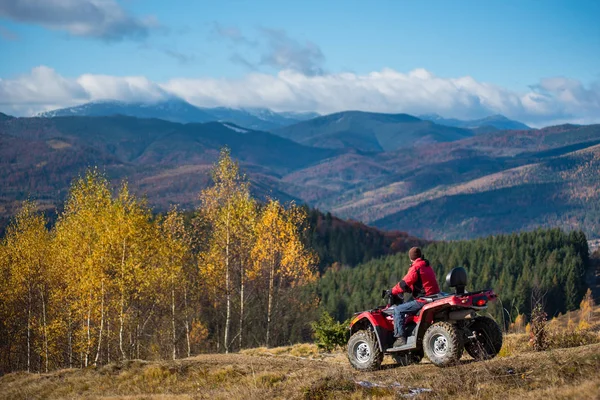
(377, 322)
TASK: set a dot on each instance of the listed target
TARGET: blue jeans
(400, 311)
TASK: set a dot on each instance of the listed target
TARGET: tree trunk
(70, 341)
(187, 323)
(270, 305)
(227, 289)
(121, 314)
(45, 328)
(241, 306)
(108, 339)
(101, 326)
(89, 335)
(173, 318)
(138, 332)
(29, 329)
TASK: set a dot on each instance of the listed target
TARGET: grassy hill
(300, 373)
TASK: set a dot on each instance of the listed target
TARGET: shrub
(538, 335)
(329, 333)
(564, 339)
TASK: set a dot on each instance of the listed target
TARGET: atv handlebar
(392, 299)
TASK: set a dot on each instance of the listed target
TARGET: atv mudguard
(381, 325)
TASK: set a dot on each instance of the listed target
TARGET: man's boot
(400, 341)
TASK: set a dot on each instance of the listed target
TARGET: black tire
(363, 351)
(488, 341)
(405, 359)
(442, 344)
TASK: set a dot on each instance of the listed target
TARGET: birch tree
(279, 255)
(174, 246)
(227, 206)
(25, 270)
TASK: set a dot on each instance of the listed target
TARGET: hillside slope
(367, 131)
(478, 185)
(167, 161)
(487, 184)
(299, 373)
(482, 125)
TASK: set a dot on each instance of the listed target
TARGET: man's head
(415, 253)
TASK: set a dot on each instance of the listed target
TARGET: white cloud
(419, 91)
(100, 19)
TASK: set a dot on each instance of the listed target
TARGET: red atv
(447, 324)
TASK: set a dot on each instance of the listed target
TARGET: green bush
(329, 333)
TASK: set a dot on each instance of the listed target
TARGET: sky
(531, 60)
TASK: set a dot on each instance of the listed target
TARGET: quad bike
(446, 325)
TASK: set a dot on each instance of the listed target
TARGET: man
(420, 281)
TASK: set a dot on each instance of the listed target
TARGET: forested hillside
(481, 185)
(551, 263)
(340, 242)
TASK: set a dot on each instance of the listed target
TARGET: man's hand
(386, 293)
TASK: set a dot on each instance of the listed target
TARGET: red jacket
(419, 281)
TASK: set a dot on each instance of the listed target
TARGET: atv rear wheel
(363, 351)
(488, 339)
(442, 344)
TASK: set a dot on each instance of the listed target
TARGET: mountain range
(397, 172)
(484, 125)
(372, 132)
(178, 110)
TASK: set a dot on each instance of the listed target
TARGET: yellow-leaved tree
(278, 255)
(102, 247)
(80, 251)
(586, 307)
(133, 268)
(174, 252)
(25, 271)
(229, 210)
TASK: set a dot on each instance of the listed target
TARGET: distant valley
(434, 179)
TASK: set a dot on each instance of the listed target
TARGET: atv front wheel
(488, 339)
(363, 351)
(442, 344)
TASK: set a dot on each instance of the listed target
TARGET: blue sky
(522, 49)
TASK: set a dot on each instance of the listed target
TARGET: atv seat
(388, 311)
(438, 296)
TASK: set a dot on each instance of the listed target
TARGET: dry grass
(298, 372)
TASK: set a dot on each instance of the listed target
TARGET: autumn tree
(25, 271)
(587, 307)
(229, 210)
(279, 255)
(80, 251)
(102, 246)
(173, 247)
